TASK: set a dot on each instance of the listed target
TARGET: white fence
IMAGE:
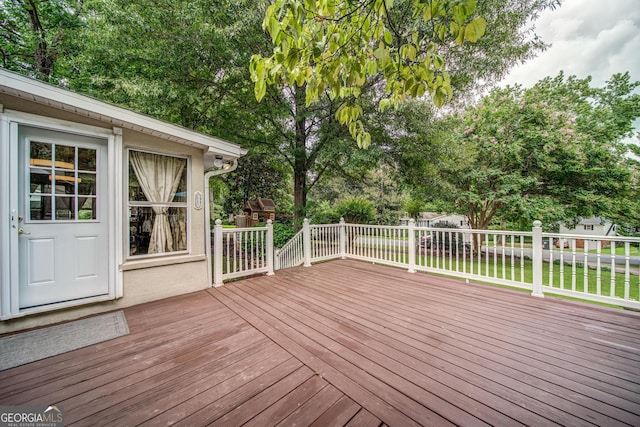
(240, 252)
(596, 268)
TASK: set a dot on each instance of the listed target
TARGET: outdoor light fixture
(218, 162)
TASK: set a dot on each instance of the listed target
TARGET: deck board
(349, 343)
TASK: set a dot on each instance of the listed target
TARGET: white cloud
(588, 37)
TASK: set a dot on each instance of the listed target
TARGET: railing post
(217, 254)
(537, 260)
(269, 248)
(306, 242)
(412, 245)
(343, 239)
(276, 260)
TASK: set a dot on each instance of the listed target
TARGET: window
(588, 227)
(62, 182)
(158, 195)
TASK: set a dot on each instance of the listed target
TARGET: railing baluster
(561, 285)
(598, 268)
(585, 268)
(522, 259)
(612, 290)
(551, 262)
(495, 255)
(513, 250)
(627, 270)
(574, 267)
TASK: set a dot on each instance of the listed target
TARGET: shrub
(282, 233)
(323, 213)
(357, 210)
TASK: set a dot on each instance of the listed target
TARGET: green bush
(323, 213)
(282, 233)
(357, 210)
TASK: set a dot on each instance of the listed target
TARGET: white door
(63, 228)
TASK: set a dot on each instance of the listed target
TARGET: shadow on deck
(349, 343)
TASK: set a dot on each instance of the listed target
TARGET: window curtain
(159, 177)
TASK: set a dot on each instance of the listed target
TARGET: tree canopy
(553, 152)
(336, 46)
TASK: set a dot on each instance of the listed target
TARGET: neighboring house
(100, 207)
(428, 219)
(595, 226)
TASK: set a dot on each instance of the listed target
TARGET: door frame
(9, 199)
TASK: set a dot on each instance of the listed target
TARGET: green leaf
(475, 30)
(439, 99)
(458, 15)
(260, 89)
(388, 37)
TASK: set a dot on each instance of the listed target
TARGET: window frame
(145, 204)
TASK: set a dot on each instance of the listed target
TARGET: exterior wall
(598, 229)
(146, 279)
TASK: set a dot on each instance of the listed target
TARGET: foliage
(552, 152)
(186, 61)
(413, 207)
(323, 213)
(259, 174)
(282, 233)
(336, 46)
(36, 33)
(357, 210)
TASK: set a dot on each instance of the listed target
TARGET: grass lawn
(620, 251)
(560, 278)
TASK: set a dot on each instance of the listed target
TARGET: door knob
(21, 231)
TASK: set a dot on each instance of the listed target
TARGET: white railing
(602, 269)
(240, 252)
(485, 255)
(291, 254)
(325, 241)
(597, 268)
(388, 245)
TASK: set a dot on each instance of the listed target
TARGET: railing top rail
(239, 230)
(324, 225)
(471, 230)
(386, 227)
(592, 237)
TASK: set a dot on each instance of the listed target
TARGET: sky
(588, 37)
(596, 38)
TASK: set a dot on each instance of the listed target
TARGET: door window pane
(40, 207)
(40, 154)
(87, 208)
(65, 208)
(86, 183)
(65, 157)
(67, 172)
(65, 182)
(40, 181)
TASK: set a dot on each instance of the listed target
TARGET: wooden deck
(349, 343)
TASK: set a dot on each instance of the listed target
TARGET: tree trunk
(44, 59)
(300, 159)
